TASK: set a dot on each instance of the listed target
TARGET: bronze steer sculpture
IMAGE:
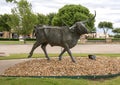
(66, 37)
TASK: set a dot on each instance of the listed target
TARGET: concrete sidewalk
(4, 64)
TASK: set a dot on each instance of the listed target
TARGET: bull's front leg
(43, 46)
(33, 48)
(69, 52)
(60, 56)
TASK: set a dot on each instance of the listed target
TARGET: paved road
(94, 48)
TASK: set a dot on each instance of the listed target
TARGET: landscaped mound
(65, 67)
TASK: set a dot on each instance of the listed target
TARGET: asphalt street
(84, 48)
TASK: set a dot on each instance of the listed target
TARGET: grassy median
(36, 55)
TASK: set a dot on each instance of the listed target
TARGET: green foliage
(22, 18)
(13, 22)
(95, 39)
(117, 36)
(3, 22)
(42, 19)
(105, 26)
(12, 39)
(28, 19)
(8, 39)
(50, 17)
(116, 30)
(9, 0)
(71, 14)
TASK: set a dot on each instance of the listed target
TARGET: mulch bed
(65, 67)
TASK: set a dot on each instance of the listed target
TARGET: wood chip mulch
(65, 67)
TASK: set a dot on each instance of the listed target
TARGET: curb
(72, 77)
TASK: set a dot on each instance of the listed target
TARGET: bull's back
(53, 36)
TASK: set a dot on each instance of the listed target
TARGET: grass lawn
(53, 81)
(21, 56)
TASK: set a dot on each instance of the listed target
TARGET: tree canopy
(42, 19)
(116, 30)
(22, 19)
(105, 26)
(3, 22)
(50, 17)
(71, 14)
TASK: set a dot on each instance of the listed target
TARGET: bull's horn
(88, 20)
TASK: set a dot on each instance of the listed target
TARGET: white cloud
(107, 10)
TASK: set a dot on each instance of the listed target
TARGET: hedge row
(31, 39)
(102, 39)
(11, 39)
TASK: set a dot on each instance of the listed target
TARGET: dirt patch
(83, 66)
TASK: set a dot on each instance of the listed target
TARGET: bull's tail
(34, 31)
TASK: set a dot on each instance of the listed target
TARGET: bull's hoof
(29, 56)
(60, 59)
(92, 57)
(73, 61)
(48, 59)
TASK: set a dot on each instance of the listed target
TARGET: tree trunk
(24, 37)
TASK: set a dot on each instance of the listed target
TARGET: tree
(3, 23)
(71, 14)
(13, 22)
(117, 32)
(50, 17)
(23, 19)
(105, 26)
(11, 1)
(42, 19)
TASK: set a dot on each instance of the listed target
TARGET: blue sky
(107, 10)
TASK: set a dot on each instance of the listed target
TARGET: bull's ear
(72, 30)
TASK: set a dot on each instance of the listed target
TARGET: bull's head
(80, 27)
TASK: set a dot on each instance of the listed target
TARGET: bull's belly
(56, 44)
(62, 44)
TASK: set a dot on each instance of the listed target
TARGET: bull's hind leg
(33, 48)
(43, 46)
(60, 56)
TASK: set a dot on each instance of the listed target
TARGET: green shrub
(11, 39)
(8, 39)
(116, 36)
(95, 39)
